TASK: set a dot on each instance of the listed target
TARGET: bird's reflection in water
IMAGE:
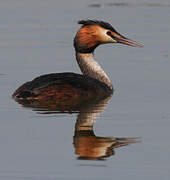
(87, 145)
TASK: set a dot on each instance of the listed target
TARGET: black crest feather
(102, 24)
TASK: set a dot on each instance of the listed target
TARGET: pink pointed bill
(128, 42)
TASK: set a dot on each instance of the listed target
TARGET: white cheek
(106, 38)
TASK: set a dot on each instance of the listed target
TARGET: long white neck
(91, 68)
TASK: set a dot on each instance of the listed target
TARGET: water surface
(35, 39)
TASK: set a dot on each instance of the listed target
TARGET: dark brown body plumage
(62, 89)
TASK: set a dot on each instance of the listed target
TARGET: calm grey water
(36, 38)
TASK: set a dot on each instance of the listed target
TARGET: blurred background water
(36, 38)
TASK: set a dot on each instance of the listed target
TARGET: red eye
(108, 33)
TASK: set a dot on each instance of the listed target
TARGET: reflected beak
(123, 40)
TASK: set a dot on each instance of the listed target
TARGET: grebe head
(93, 33)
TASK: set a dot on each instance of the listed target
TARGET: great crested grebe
(66, 88)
